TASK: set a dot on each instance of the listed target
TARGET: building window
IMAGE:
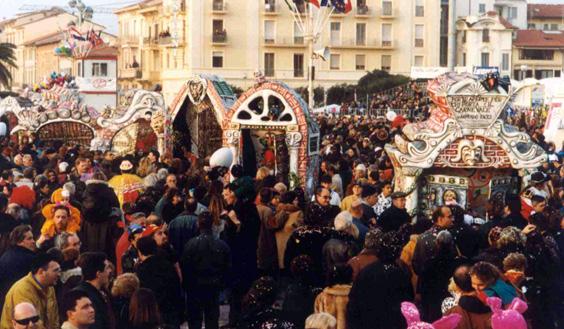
(512, 12)
(360, 62)
(485, 59)
(99, 69)
(419, 8)
(386, 35)
(485, 35)
(298, 34)
(537, 54)
(269, 33)
(557, 73)
(545, 27)
(504, 62)
(80, 69)
(531, 26)
(418, 61)
(217, 59)
(419, 31)
(463, 59)
(463, 36)
(554, 27)
(482, 8)
(269, 64)
(361, 34)
(335, 33)
(335, 63)
(386, 63)
(387, 8)
(217, 5)
(270, 6)
(298, 65)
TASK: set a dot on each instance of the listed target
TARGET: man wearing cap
(537, 184)
(130, 258)
(395, 216)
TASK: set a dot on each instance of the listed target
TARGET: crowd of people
(91, 240)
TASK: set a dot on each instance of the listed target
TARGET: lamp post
(84, 12)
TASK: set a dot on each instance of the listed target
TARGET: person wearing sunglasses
(38, 289)
(25, 316)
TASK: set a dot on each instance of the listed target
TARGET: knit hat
(24, 196)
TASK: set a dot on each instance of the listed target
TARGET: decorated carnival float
(268, 125)
(196, 115)
(60, 114)
(464, 153)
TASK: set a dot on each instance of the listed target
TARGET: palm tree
(7, 61)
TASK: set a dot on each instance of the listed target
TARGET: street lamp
(84, 12)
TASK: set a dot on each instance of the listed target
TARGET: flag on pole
(342, 6)
(301, 2)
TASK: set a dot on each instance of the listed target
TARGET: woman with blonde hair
(123, 288)
(321, 321)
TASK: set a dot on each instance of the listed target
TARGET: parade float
(196, 115)
(60, 114)
(464, 153)
(270, 125)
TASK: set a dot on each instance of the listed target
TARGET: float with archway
(196, 115)
(464, 153)
(59, 114)
(270, 125)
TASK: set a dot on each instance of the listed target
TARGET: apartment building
(484, 41)
(235, 38)
(33, 34)
(538, 54)
(545, 17)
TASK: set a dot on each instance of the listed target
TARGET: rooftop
(545, 11)
(537, 38)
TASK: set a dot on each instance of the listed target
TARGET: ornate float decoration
(59, 113)
(464, 153)
(196, 114)
(275, 111)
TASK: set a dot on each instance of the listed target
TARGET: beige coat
(334, 300)
(288, 218)
(28, 290)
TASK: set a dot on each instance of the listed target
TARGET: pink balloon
(511, 317)
(411, 315)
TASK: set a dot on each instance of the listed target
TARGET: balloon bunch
(58, 79)
(64, 50)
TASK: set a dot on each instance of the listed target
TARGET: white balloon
(3, 129)
(223, 157)
(391, 115)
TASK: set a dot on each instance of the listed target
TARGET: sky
(9, 8)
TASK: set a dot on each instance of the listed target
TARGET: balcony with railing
(270, 8)
(150, 41)
(219, 37)
(284, 42)
(363, 11)
(130, 73)
(387, 44)
(388, 12)
(356, 43)
(128, 40)
(219, 7)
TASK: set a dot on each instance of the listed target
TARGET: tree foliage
(7, 61)
(371, 83)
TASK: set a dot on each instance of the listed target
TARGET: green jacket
(28, 290)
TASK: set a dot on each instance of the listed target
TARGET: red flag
(314, 2)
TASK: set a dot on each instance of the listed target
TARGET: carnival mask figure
(470, 152)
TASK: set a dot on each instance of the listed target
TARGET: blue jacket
(181, 229)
